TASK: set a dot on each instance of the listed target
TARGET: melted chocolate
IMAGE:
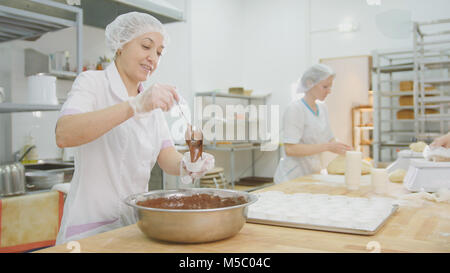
(196, 201)
(195, 149)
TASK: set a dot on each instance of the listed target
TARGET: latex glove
(193, 170)
(157, 96)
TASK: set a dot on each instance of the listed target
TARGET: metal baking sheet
(323, 228)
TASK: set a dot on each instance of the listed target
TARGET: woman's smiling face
(140, 57)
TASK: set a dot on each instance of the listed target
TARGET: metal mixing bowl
(190, 225)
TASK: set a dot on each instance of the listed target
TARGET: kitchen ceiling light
(347, 27)
(373, 2)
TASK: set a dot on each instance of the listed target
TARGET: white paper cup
(353, 165)
(379, 180)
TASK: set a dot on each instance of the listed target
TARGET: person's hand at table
(442, 141)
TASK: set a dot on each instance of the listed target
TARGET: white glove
(157, 96)
(436, 153)
(192, 170)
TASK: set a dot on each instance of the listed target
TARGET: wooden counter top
(415, 227)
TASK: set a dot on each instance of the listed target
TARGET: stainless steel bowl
(41, 180)
(190, 225)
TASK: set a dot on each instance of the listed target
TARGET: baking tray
(324, 228)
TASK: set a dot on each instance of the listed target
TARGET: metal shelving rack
(234, 148)
(17, 107)
(432, 36)
(427, 63)
(18, 20)
(391, 68)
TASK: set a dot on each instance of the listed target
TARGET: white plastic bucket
(42, 89)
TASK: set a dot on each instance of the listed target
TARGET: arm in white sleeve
(80, 122)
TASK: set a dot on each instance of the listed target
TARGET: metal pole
(391, 112)
(422, 87)
(416, 81)
(80, 41)
(214, 117)
(232, 167)
(376, 115)
(253, 163)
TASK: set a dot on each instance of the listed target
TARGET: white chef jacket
(113, 166)
(302, 126)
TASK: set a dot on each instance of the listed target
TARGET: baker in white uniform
(119, 130)
(307, 131)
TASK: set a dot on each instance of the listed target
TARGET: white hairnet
(313, 76)
(130, 25)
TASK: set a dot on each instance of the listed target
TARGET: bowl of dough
(194, 215)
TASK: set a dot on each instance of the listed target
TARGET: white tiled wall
(42, 126)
